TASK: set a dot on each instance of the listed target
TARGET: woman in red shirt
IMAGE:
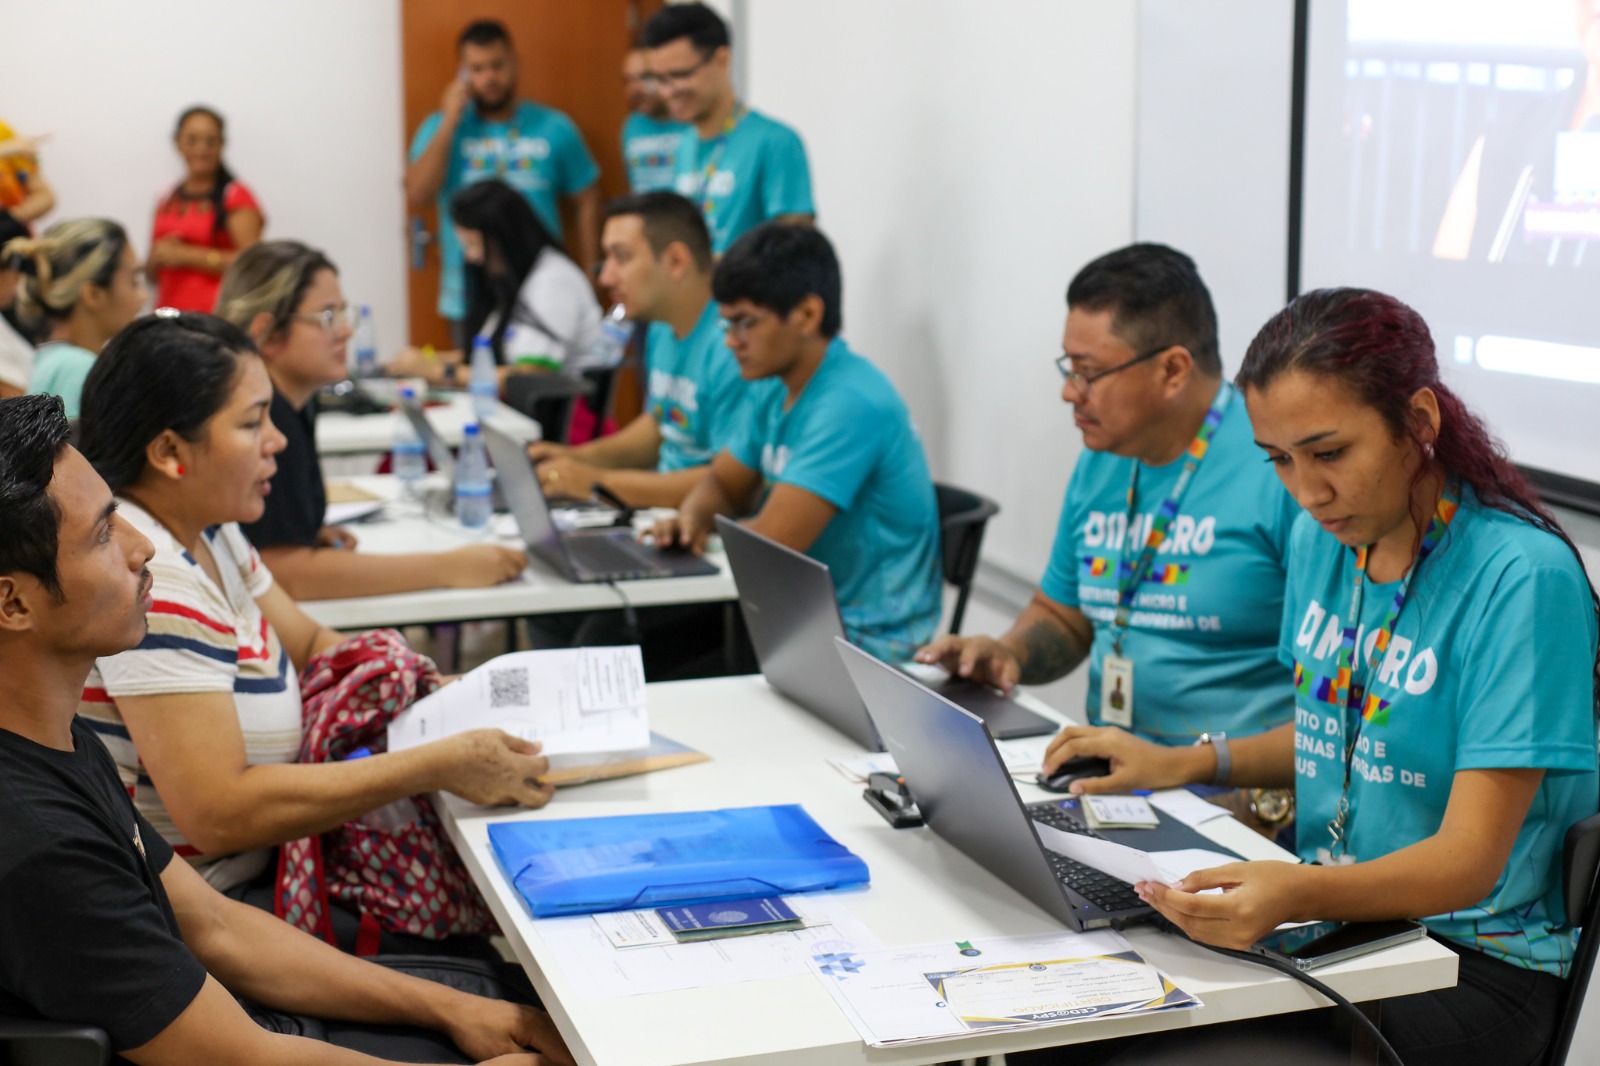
(204, 222)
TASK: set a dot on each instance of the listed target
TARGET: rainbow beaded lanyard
(1131, 576)
(703, 194)
(1349, 693)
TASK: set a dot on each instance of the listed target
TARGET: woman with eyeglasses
(286, 296)
(203, 224)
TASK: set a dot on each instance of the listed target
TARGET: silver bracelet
(1219, 744)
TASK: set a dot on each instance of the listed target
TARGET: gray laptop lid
(793, 616)
(958, 779)
(443, 460)
(524, 498)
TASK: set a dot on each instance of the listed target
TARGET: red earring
(180, 470)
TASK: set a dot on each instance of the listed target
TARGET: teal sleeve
(837, 449)
(424, 134)
(1060, 580)
(722, 404)
(1531, 700)
(744, 443)
(577, 165)
(786, 181)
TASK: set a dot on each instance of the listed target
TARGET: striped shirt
(201, 639)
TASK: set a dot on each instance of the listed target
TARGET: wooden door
(569, 56)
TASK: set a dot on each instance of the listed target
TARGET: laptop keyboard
(609, 555)
(1099, 888)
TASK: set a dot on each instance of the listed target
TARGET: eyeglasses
(329, 318)
(739, 326)
(662, 79)
(1083, 381)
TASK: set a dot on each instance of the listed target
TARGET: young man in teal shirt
(482, 130)
(1195, 652)
(825, 459)
(650, 137)
(739, 166)
(658, 266)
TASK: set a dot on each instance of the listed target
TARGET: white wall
(310, 90)
(967, 159)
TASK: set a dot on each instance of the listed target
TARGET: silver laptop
(792, 612)
(444, 460)
(965, 793)
(584, 555)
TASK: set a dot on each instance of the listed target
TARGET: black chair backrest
(963, 516)
(1580, 866)
(548, 400)
(52, 1044)
(604, 382)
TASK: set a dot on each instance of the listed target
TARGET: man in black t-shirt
(98, 926)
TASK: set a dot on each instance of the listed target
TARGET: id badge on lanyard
(1116, 691)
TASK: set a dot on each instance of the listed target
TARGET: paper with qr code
(571, 700)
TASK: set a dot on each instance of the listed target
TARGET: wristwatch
(1219, 744)
(1273, 807)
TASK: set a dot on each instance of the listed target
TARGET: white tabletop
(540, 589)
(339, 433)
(766, 751)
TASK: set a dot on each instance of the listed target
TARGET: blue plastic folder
(583, 865)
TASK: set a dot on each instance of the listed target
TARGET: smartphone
(1308, 947)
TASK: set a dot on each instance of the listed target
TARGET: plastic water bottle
(612, 344)
(483, 384)
(473, 503)
(409, 455)
(366, 344)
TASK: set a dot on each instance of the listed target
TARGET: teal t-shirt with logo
(1490, 667)
(694, 391)
(1203, 637)
(848, 438)
(650, 151)
(60, 369)
(758, 171)
(538, 152)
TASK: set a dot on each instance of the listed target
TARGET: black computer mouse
(1072, 769)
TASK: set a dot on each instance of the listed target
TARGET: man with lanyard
(649, 135)
(658, 266)
(482, 130)
(1167, 572)
(741, 167)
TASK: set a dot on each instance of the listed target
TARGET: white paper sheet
(570, 699)
(586, 957)
(1021, 756)
(1186, 807)
(1129, 864)
(913, 995)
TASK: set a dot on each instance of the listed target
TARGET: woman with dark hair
(534, 305)
(204, 717)
(1442, 632)
(204, 222)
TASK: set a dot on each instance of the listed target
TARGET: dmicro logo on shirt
(674, 389)
(721, 184)
(1186, 536)
(1403, 666)
(773, 460)
(493, 148)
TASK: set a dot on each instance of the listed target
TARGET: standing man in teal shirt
(825, 459)
(650, 137)
(658, 266)
(1194, 651)
(741, 167)
(482, 130)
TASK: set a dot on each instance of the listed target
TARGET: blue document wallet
(583, 865)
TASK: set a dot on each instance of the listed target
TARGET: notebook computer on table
(792, 613)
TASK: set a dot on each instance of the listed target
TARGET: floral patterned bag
(395, 866)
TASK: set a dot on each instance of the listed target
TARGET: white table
(339, 433)
(540, 589)
(767, 751)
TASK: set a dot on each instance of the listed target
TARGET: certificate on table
(937, 991)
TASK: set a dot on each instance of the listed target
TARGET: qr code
(508, 687)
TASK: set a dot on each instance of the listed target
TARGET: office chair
(25, 1043)
(962, 518)
(548, 399)
(1580, 867)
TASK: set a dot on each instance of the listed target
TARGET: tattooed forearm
(1049, 652)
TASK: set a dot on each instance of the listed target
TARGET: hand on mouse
(1135, 762)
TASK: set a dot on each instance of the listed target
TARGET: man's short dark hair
(484, 32)
(1155, 296)
(777, 265)
(667, 218)
(33, 434)
(703, 26)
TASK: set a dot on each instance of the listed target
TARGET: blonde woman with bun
(81, 283)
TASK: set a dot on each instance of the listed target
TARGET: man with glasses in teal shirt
(1174, 597)
(825, 460)
(741, 167)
